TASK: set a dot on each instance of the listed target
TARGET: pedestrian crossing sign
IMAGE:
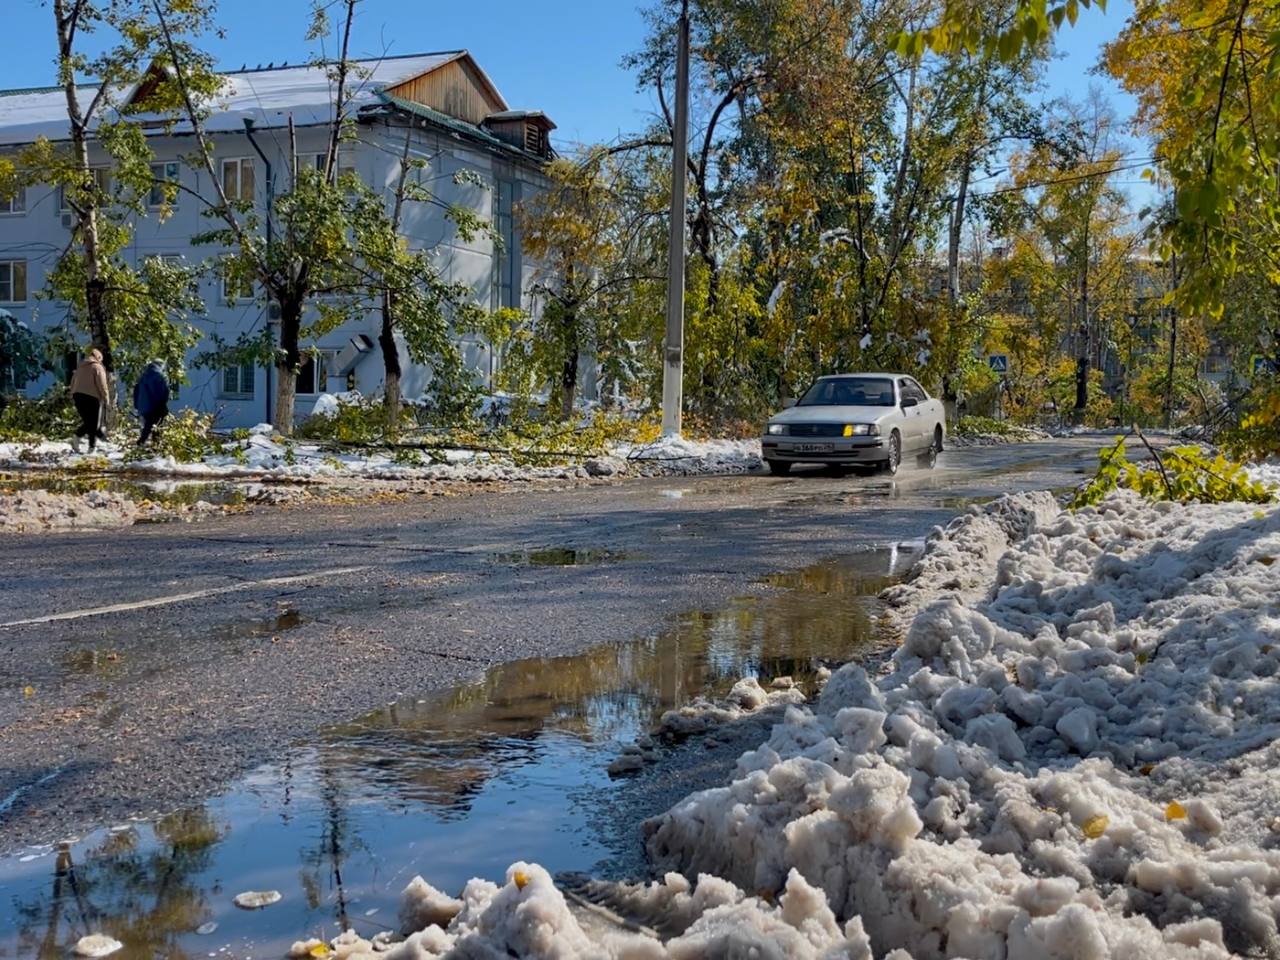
(999, 362)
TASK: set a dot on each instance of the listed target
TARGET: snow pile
(746, 698)
(529, 917)
(1009, 433)
(30, 511)
(1267, 473)
(680, 456)
(328, 404)
(267, 455)
(1073, 754)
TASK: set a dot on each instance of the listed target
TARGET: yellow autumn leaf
(1142, 658)
(1095, 827)
(520, 878)
(320, 950)
(28, 691)
(1175, 811)
(1146, 769)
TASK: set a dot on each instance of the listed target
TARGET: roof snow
(268, 97)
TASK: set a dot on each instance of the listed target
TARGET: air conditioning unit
(68, 221)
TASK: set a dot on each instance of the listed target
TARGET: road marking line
(180, 597)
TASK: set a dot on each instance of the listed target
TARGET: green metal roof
(456, 125)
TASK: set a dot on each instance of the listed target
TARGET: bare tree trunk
(1173, 353)
(569, 365)
(390, 364)
(1082, 361)
(84, 202)
(387, 338)
(288, 362)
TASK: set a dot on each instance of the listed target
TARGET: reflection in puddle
(451, 786)
(173, 493)
(560, 557)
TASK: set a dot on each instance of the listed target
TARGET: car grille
(815, 429)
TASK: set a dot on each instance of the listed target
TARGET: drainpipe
(248, 132)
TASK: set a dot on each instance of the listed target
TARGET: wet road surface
(144, 672)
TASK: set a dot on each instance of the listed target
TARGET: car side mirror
(788, 403)
(909, 402)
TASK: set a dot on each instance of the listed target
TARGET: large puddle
(450, 786)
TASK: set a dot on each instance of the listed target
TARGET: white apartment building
(456, 119)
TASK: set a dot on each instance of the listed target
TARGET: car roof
(864, 373)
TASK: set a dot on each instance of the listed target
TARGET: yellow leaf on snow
(520, 878)
(1175, 811)
(1095, 827)
(320, 950)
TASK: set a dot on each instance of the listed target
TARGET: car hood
(818, 414)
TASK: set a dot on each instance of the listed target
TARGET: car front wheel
(895, 454)
(779, 468)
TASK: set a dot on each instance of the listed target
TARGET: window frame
(240, 371)
(239, 192)
(320, 357)
(15, 206)
(101, 176)
(12, 283)
(165, 166)
(913, 384)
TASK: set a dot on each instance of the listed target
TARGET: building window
(15, 204)
(238, 179)
(506, 258)
(237, 288)
(313, 375)
(237, 381)
(101, 180)
(13, 281)
(161, 175)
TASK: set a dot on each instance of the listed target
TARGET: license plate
(814, 447)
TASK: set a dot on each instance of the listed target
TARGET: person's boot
(75, 444)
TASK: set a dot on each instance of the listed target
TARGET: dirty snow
(31, 511)
(1072, 754)
(266, 455)
(1013, 434)
(529, 917)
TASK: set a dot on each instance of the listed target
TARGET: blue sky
(560, 56)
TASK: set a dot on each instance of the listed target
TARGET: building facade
(443, 103)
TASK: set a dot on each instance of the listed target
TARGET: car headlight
(776, 429)
(861, 430)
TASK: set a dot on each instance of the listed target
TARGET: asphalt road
(143, 670)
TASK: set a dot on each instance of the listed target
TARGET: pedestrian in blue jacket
(151, 398)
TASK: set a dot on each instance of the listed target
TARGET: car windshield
(849, 392)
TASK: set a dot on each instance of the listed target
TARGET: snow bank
(31, 511)
(266, 455)
(1011, 434)
(1266, 473)
(681, 456)
(1073, 754)
(529, 917)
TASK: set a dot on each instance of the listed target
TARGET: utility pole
(673, 354)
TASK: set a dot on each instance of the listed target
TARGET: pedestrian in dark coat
(89, 392)
(151, 398)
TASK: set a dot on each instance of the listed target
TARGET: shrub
(186, 436)
(52, 415)
(1186, 474)
(361, 421)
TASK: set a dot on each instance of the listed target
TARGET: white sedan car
(857, 418)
